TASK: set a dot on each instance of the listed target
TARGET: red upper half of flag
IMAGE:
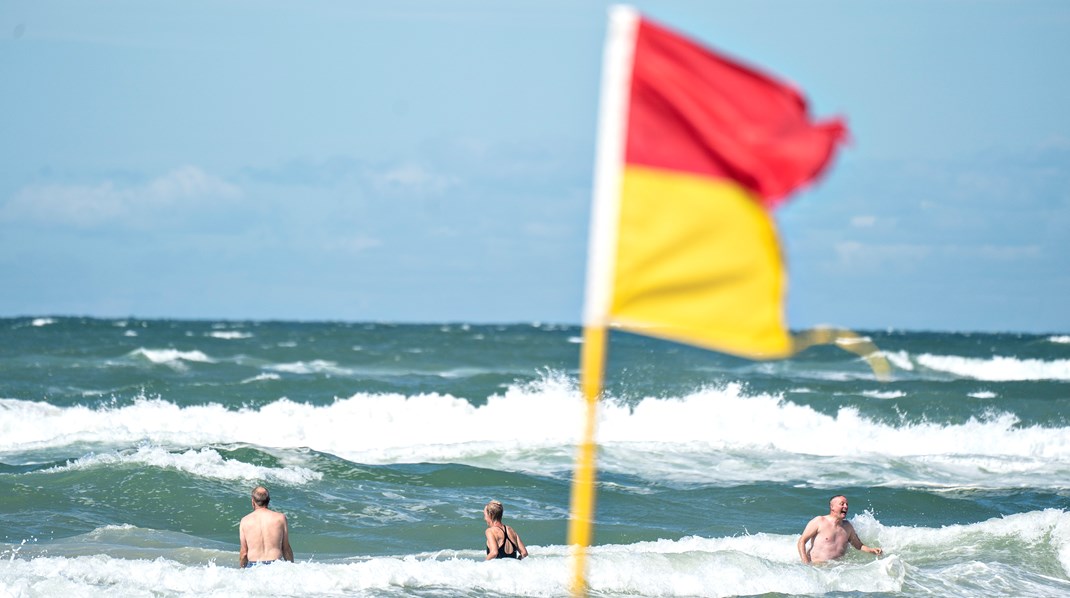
(694, 111)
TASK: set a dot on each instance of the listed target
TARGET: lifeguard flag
(694, 152)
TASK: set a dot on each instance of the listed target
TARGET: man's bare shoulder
(264, 516)
(260, 515)
(812, 527)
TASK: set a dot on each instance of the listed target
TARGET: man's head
(494, 510)
(838, 506)
(261, 498)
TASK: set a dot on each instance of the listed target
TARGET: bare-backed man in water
(264, 534)
(830, 534)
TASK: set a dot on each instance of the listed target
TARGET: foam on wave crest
(171, 356)
(1011, 555)
(640, 569)
(229, 334)
(998, 369)
(717, 435)
(989, 369)
(206, 462)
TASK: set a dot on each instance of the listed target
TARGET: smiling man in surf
(829, 535)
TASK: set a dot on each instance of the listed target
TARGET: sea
(129, 447)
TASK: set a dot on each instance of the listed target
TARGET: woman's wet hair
(495, 510)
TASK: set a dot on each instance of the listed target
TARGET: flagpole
(609, 159)
(581, 521)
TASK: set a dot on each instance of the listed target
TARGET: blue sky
(432, 161)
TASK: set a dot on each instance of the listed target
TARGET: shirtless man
(830, 534)
(264, 534)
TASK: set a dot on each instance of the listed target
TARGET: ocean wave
(997, 369)
(900, 359)
(999, 556)
(229, 334)
(884, 394)
(718, 435)
(1061, 339)
(332, 368)
(262, 378)
(205, 463)
(989, 369)
(317, 366)
(641, 569)
(171, 356)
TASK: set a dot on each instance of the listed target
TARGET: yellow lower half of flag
(698, 261)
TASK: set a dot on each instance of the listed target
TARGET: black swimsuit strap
(506, 540)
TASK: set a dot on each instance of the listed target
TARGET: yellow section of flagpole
(581, 520)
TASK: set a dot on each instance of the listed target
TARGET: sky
(432, 161)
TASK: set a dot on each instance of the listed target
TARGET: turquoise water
(128, 449)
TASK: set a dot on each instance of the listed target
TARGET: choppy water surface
(128, 450)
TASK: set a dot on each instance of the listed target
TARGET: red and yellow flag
(695, 150)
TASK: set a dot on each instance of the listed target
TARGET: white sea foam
(901, 360)
(884, 394)
(983, 394)
(719, 435)
(993, 369)
(1047, 530)
(229, 334)
(718, 574)
(171, 356)
(999, 556)
(262, 378)
(42, 321)
(998, 368)
(1061, 339)
(316, 366)
(205, 463)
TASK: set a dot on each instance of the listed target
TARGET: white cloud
(873, 255)
(1054, 142)
(853, 252)
(352, 245)
(108, 203)
(863, 221)
(413, 178)
(1003, 253)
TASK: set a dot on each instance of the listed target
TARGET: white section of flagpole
(605, 212)
(609, 162)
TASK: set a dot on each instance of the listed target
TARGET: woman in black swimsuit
(502, 541)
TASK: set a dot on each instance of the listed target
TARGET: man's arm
(808, 534)
(287, 552)
(857, 542)
(243, 551)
